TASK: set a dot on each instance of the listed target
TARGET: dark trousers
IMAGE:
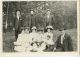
(16, 34)
(17, 31)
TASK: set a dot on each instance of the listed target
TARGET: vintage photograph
(39, 26)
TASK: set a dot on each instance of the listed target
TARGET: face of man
(18, 14)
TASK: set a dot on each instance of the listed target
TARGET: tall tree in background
(61, 12)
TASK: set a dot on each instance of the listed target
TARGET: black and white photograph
(39, 26)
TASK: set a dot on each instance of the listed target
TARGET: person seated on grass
(64, 42)
(49, 38)
(23, 41)
(40, 40)
(34, 36)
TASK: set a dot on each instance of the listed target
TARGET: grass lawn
(8, 39)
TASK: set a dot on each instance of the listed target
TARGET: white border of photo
(35, 54)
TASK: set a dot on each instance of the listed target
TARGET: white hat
(49, 27)
(34, 27)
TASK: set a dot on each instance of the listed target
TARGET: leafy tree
(62, 13)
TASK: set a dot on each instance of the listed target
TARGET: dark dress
(67, 44)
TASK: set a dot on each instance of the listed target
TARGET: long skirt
(20, 48)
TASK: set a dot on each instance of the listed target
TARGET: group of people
(38, 41)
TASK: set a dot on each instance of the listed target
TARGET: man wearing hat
(64, 42)
(49, 38)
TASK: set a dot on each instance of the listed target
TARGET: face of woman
(40, 32)
(33, 30)
(48, 30)
(26, 31)
(22, 31)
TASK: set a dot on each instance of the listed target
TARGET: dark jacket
(17, 25)
(67, 43)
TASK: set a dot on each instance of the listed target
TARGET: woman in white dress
(40, 40)
(34, 36)
(23, 41)
(49, 37)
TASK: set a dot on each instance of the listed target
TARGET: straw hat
(27, 28)
(49, 27)
(34, 27)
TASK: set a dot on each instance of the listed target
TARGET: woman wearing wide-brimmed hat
(23, 41)
(49, 38)
(40, 40)
(34, 36)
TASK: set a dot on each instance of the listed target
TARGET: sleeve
(57, 41)
(19, 40)
(52, 36)
(70, 45)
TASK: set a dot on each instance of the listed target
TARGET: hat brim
(50, 28)
(33, 29)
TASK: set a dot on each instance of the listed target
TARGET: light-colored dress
(48, 38)
(22, 43)
(41, 46)
(33, 37)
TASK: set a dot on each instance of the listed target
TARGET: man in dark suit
(64, 42)
(17, 24)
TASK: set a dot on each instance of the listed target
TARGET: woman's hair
(47, 29)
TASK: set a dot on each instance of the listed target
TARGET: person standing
(17, 24)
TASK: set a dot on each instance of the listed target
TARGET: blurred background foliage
(61, 13)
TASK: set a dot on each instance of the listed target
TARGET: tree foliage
(62, 13)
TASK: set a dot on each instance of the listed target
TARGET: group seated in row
(38, 41)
